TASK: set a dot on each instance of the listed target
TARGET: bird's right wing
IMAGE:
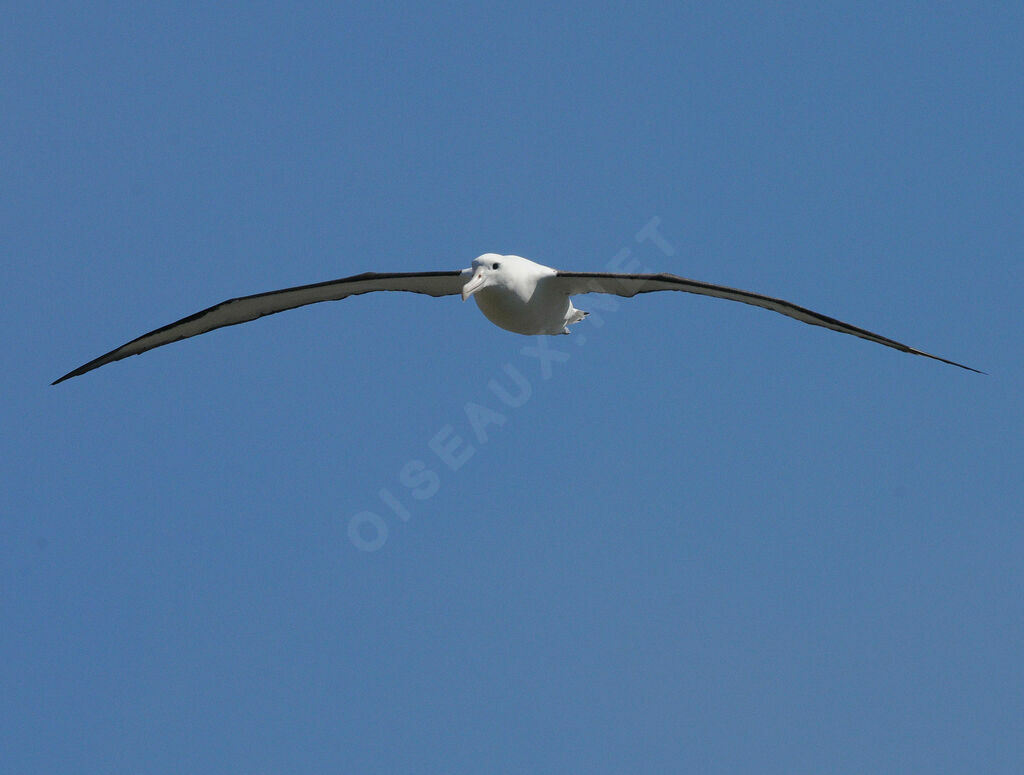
(246, 308)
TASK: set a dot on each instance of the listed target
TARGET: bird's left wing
(631, 284)
(246, 308)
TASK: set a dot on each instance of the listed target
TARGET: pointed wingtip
(962, 366)
(940, 359)
(69, 375)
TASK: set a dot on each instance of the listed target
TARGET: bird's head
(486, 271)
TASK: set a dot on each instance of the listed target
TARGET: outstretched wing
(632, 284)
(246, 308)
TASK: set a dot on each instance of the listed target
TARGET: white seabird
(512, 292)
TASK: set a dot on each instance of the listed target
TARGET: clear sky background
(706, 539)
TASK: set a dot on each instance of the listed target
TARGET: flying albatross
(514, 293)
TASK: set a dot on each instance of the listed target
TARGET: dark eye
(495, 265)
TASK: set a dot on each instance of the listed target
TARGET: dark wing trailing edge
(632, 284)
(246, 308)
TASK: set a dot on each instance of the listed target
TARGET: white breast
(527, 310)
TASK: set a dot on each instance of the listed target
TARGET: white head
(486, 272)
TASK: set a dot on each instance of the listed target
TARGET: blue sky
(705, 538)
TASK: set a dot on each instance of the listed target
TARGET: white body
(520, 295)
